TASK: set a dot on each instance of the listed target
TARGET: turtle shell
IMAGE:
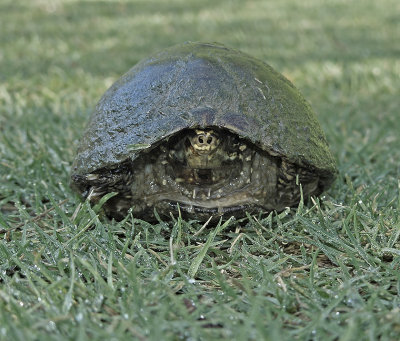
(195, 86)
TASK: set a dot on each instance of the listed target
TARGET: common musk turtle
(205, 128)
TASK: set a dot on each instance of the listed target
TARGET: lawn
(328, 270)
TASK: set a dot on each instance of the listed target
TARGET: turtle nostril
(201, 139)
(209, 140)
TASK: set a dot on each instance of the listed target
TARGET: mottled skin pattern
(207, 171)
(207, 127)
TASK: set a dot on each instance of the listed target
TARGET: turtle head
(201, 149)
(204, 142)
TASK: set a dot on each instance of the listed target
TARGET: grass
(326, 271)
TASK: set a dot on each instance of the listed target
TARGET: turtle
(202, 130)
